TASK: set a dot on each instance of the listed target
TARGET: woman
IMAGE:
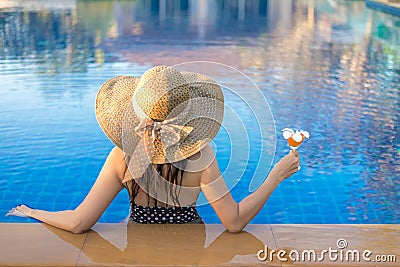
(161, 125)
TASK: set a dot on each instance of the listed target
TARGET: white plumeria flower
(305, 133)
(287, 133)
(297, 136)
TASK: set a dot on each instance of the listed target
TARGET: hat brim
(117, 119)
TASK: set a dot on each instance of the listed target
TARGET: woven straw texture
(161, 93)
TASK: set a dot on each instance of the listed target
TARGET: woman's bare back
(191, 181)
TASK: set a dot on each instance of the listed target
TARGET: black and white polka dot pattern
(142, 214)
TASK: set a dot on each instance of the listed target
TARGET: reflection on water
(332, 68)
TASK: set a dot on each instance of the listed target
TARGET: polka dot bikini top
(143, 214)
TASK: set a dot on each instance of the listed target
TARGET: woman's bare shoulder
(201, 160)
(117, 156)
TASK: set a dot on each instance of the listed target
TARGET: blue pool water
(330, 67)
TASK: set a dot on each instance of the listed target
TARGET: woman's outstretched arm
(104, 190)
(235, 216)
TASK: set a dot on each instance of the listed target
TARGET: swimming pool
(332, 68)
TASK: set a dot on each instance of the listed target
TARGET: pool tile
(173, 245)
(38, 245)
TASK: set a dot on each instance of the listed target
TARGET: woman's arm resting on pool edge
(235, 216)
(104, 190)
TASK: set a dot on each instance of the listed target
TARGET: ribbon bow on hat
(169, 131)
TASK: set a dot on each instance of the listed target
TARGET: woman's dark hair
(173, 173)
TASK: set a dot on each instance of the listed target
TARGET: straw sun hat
(162, 117)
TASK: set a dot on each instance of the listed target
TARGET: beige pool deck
(34, 244)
